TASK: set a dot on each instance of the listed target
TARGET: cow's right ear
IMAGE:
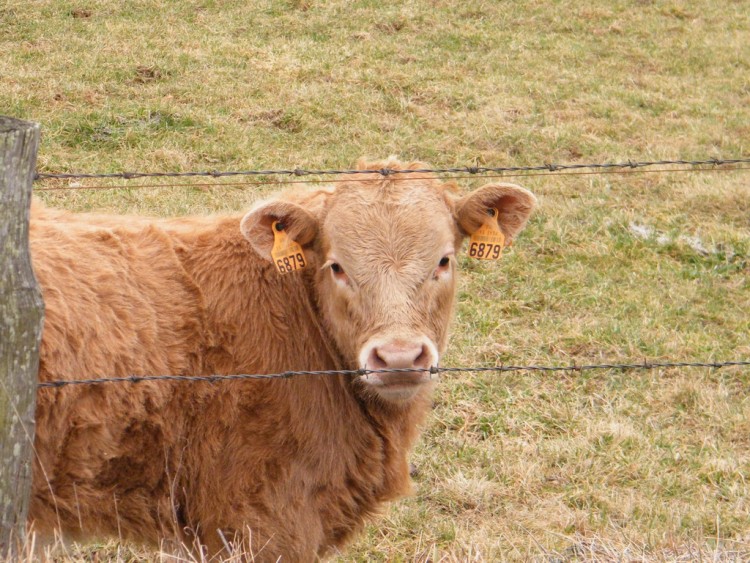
(257, 225)
(513, 205)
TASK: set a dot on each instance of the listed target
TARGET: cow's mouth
(398, 385)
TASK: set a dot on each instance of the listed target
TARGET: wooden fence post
(21, 317)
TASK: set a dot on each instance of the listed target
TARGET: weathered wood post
(21, 316)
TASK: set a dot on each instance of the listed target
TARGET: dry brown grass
(599, 466)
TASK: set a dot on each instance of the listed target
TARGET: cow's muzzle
(413, 358)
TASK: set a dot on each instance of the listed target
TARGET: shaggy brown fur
(291, 467)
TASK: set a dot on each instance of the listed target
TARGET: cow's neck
(257, 320)
(263, 322)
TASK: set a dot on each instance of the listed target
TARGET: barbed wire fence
(630, 166)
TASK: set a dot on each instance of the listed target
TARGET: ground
(604, 465)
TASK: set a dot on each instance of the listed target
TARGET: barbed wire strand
(473, 170)
(287, 182)
(365, 372)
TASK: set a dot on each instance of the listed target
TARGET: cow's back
(118, 303)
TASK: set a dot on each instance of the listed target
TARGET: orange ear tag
(286, 253)
(488, 241)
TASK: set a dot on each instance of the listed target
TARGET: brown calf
(290, 467)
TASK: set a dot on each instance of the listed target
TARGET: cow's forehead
(402, 221)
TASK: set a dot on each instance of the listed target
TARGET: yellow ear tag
(286, 253)
(488, 241)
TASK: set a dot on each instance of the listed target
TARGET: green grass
(595, 466)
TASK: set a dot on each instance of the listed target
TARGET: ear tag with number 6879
(287, 254)
(488, 241)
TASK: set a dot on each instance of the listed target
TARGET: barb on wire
(365, 372)
(473, 170)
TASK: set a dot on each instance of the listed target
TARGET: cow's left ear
(257, 225)
(513, 203)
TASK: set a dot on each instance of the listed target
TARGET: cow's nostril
(375, 360)
(424, 360)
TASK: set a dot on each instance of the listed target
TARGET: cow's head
(384, 254)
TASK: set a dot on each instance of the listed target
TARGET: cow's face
(384, 254)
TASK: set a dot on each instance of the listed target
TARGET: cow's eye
(338, 272)
(443, 266)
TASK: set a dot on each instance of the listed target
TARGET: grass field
(592, 466)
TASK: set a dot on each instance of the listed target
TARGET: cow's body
(289, 467)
